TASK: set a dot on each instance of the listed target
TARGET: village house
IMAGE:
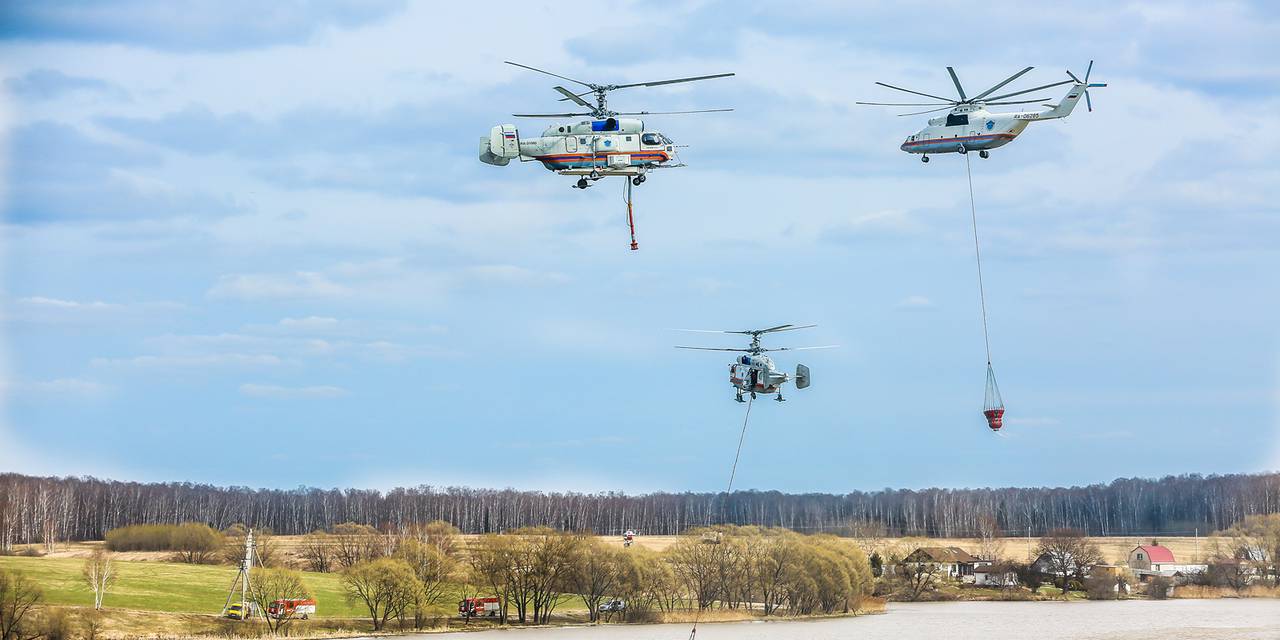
(952, 562)
(994, 576)
(1153, 559)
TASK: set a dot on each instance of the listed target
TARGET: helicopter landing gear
(984, 154)
(924, 158)
(780, 398)
(753, 395)
(962, 150)
(638, 180)
(738, 397)
(594, 175)
(582, 183)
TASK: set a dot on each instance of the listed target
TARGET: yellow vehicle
(236, 611)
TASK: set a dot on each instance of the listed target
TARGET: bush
(1158, 588)
(1101, 588)
(141, 537)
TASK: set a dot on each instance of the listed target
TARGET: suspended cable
(993, 404)
(733, 472)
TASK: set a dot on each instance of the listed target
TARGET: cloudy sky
(254, 246)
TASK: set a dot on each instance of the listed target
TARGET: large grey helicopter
(755, 372)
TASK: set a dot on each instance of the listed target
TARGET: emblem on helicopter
(755, 372)
(991, 124)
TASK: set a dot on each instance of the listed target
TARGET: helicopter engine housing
(501, 146)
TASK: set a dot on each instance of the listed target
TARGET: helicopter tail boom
(501, 146)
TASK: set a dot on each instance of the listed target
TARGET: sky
(250, 244)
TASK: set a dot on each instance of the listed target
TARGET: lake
(1252, 619)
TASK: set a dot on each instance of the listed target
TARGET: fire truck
(477, 607)
(292, 608)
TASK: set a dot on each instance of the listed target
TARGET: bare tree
(100, 574)
(317, 552)
(595, 572)
(1256, 542)
(354, 543)
(271, 586)
(990, 544)
(1068, 554)
(18, 594)
(917, 579)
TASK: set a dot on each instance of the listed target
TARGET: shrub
(1101, 587)
(1158, 588)
(141, 537)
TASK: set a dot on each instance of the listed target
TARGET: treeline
(34, 510)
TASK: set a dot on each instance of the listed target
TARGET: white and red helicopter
(970, 127)
(603, 145)
(755, 372)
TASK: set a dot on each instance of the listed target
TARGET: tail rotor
(1087, 85)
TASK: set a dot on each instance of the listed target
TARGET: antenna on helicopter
(601, 91)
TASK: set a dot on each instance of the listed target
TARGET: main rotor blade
(903, 104)
(1006, 81)
(957, 83)
(1018, 93)
(785, 327)
(927, 95)
(556, 75)
(712, 349)
(1073, 77)
(1017, 101)
(674, 81)
(549, 115)
(916, 113)
(569, 95)
(667, 113)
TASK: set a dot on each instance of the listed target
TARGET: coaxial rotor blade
(667, 113)
(556, 75)
(927, 95)
(674, 81)
(785, 327)
(712, 349)
(569, 95)
(549, 115)
(957, 83)
(903, 104)
(1006, 81)
(825, 346)
(916, 113)
(1018, 93)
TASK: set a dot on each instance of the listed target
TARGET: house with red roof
(1154, 560)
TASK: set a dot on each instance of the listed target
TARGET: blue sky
(255, 247)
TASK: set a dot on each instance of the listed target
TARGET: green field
(167, 586)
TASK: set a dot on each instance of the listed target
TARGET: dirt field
(1114, 549)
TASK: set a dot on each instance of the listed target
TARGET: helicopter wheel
(582, 183)
(595, 175)
(637, 180)
(924, 158)
(984, 154)
(962, 150)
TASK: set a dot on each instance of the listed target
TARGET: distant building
(994, 576)
(1154, 560)
(953, 562)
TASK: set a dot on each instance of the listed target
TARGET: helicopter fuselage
(756, 374)
(605, 146)
(973, 127)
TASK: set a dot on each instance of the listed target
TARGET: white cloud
(274, 391)
(300, 284)
(190, 361)
(61, 387)
(915, 303)
(309, 323)
(71, 305)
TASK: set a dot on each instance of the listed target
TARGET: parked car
(613, 606)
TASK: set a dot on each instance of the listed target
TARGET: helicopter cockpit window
(954, 119)
(651, 138)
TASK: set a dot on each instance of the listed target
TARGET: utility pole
(1197, 544)
(242, 579)
(1029, 558)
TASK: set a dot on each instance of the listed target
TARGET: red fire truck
(477, 607)
(292, 608)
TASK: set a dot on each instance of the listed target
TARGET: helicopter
(755, 372)
(605, 145)
(602, 146)
(969, 126)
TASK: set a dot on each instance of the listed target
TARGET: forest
(47, 510)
